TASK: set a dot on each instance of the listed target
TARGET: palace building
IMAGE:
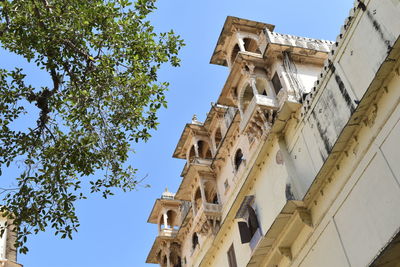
(8, 253)
(297, 162)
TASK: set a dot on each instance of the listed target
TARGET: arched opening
(261, 85)
(165, 261)
(171, 220)
(250, 45)
(175, 259)
(208, 154)
(197, 199)
(210, 189)
(192, 154)
(179, 263)
(234, 53)
(215, 199)
(238, 158)
(217, 137)
(246, 97)
(161, 222)
(195, 241)
(159, 256)
(204, 150)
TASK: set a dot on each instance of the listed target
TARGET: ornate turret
(166, 213)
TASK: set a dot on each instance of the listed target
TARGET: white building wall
(364, 194)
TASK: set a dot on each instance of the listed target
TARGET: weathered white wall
(364, 195)
(326, 251)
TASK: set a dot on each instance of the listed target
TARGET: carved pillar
(165, 220)
(168, 252)
(196, 149)
(253, 85)
(202, 191)
(240, 42)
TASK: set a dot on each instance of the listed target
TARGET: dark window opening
(276, 82)
(192, 154)
(215, 199)
(253, 221)
(232, 257)
(248, 228)
(197, 199)
(204, 150)
(208, 154)
(238, 158)
(250, 45)
(235, 51)
(171, 218)
(247, 97)
(178, 264)
(195, 241)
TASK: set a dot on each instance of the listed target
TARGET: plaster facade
(297, 162)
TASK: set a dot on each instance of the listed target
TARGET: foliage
(102, 57)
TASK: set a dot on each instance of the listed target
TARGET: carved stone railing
(207, 218)
(196, 161)
(168, 232)
(259, 116)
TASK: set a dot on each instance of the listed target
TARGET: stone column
(202, 191)
(253, 86)
(196, 149)
(240, 42)
(165, 220)
(168, 252)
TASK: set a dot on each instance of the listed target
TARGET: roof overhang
(184, 140)
(157, 207)
(193, 170)
(227, 97)
(231, 25)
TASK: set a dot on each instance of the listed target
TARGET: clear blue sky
(114, 232)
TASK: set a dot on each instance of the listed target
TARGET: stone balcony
(199, 162)
(207, 217)
(168, 232)
(259, 115)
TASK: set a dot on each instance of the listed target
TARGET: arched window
(250, 45)
(171, 221)
(197, 199)
(246, 97)
(192, 154)
(238, 158)
(195, 241)
(234, 53)
(204, 150)
(261, 85)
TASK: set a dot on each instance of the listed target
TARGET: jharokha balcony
(196, 163)
(258, 107)
(207, 218)
(199, 187)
